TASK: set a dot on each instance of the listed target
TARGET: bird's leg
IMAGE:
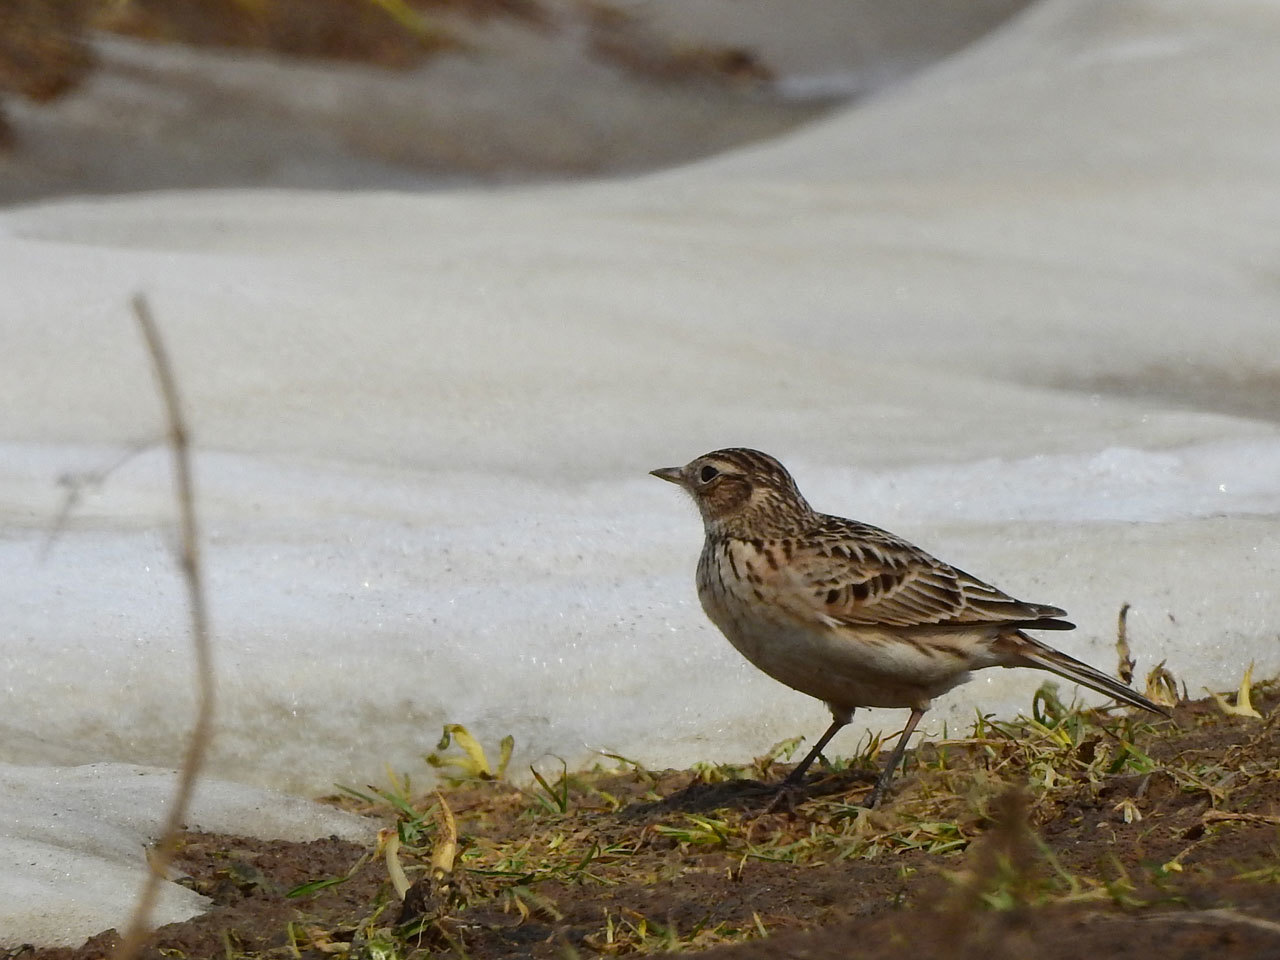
(787, 791)
(797, 775)
(886, 775)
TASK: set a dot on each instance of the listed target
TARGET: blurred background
(121, 95)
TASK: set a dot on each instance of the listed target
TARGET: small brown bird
(847, 612)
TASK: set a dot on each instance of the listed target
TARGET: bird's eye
(708, 474)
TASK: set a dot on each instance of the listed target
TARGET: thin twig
(191, 571)
(1221, 816)
(1214, 917)
(75, 485)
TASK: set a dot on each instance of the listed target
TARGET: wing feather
(860, 575)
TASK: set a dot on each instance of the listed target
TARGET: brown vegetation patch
(1073, 833)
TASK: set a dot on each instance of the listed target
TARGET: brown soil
(46, 53)
(1080, 836)
(401, 35)
(392, 35)
(43, 49)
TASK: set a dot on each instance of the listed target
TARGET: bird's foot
(789, 795)
(880, 790)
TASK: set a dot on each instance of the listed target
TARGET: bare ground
(429, 94)
(1071, 835)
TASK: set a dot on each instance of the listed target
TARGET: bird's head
(742, 493)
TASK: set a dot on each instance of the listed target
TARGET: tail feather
(1045, 623)
(1043, 657)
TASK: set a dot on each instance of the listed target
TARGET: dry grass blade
(389, 843)
(192, 574)
(1127, 663)
(447, 850)
(1243, 707)
(1214, 917)
(1162, 687)
(1220, 816)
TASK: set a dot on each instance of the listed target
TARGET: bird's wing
(857, 574)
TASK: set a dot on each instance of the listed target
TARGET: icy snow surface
(71, 852)
(1023, 310)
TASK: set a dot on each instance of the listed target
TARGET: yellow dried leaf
(389, 844)
(1129, 810)
(1162, 688)
(1243, 707)
(473, 764)
(505, 746)
(446, 850)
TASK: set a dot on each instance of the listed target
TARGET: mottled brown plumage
(847, 612)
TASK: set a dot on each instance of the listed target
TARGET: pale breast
(746, 591)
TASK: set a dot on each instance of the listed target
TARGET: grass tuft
(1066, 808)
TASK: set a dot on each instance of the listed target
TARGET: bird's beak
(673, 474)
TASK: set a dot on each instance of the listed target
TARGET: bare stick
(191, 571)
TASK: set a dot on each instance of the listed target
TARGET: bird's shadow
(750, 796)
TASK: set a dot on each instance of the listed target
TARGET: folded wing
(861, 575)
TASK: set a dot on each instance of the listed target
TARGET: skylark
(847, 612)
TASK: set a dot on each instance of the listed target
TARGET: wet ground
(1071, 835)
(429, 94)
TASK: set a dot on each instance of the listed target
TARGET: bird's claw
(786, 799)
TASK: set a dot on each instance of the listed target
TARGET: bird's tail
(1033, 653)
